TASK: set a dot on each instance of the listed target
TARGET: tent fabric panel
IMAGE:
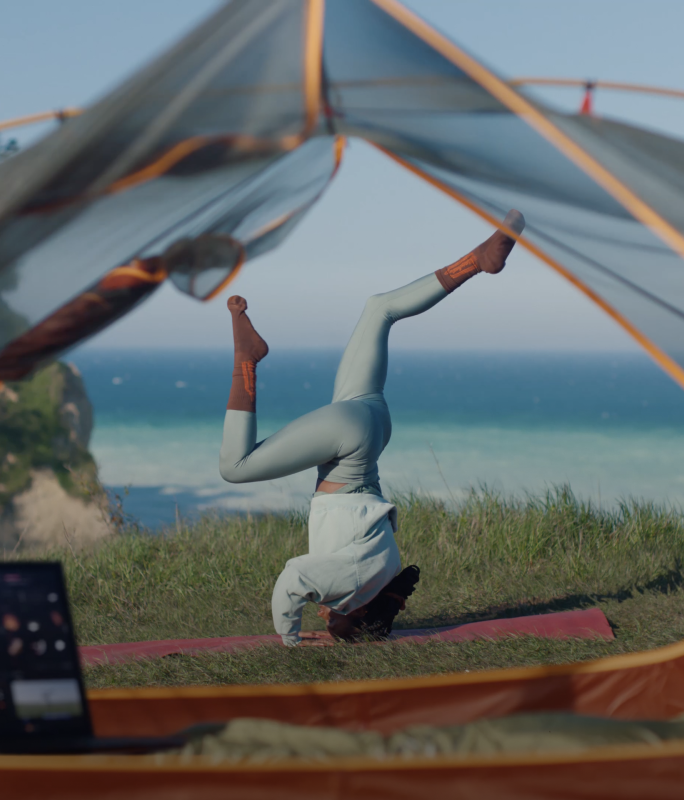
(622, 264)
(494, 149)
(115, 124)
(627, 773)
(260, 94)
(640, 686)
(141, 222)
(387, 77)
(492, 215)
(252, 207)
(626, 164)
(292, 185)
(491, 144)
(182, 142)
(650, 163)
(540, 119)
(372, 63)
(584, 224)
(115, 229)
(138, 160)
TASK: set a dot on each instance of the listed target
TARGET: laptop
(43, 706)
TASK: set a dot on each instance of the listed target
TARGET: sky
(377, 227)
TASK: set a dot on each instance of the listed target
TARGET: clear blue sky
(377, 227)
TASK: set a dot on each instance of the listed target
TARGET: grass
(489, 557)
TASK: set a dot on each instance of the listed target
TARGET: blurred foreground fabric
(617, 756)
(263, 739)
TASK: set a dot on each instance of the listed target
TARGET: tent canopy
(209, 156)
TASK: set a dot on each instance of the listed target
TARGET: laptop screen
(41, 690)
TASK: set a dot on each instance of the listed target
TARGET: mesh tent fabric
(184, 147)
(198, 142)
(212, 98)
(440, 120)
(249, 218)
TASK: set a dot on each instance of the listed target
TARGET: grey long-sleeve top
(352, 556)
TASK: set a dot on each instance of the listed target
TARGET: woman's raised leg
(313, 439)
(363, 368)
(334, 431)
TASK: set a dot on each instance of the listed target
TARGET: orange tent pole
(44, 116)
(527, 111)
(664, 361)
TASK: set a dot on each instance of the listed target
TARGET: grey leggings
(344, 439)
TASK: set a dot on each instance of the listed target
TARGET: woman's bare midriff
(328, 486)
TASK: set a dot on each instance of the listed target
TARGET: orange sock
(250, 348)
(459, 272)
(489, 257)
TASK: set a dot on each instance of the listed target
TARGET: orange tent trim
(669, 365)
(44, 116)
(526, 111)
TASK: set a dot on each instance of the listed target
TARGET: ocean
(610, 426)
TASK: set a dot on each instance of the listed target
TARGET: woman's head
(376, 617)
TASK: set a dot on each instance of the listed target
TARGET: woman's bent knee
(231, 473)
(379, 305)
(375, 303)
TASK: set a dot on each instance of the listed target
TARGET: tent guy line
(636, 88)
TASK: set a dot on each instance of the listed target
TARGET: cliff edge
(49, 490)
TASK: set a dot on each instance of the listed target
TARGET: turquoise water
(611, 426)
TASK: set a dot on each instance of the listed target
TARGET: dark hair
(383, 608)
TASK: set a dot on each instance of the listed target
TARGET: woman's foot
(489, 257)
(250, 348)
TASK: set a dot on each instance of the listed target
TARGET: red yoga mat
(588, 624)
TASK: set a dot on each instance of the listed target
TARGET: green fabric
(260, 739)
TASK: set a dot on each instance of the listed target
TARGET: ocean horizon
(611, 426)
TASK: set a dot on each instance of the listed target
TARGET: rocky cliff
(49, 491)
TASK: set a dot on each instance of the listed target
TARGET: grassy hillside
(490, 557)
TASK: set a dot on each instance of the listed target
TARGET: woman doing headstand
(353, 570)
